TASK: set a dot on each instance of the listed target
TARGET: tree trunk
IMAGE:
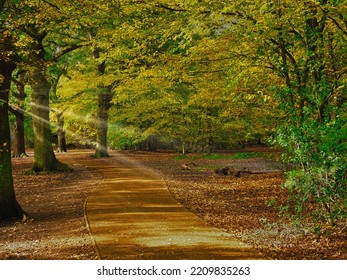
(61, 134)
(18, 137)
(104, 105)
(44, 157)
(9, 207)
(152, 143)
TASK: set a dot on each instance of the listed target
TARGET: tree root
(57, 167)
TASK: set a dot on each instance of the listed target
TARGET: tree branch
(163, 6)
(338, 25)
(67, 50)
(52, 5)
(13, 110)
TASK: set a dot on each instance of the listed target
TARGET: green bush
(317, 157)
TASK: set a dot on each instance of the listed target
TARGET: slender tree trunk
(44, 157)
(62, 141)
(152, 143)
(8, 204)
(61, 134)
(18, 136)
(104, 105)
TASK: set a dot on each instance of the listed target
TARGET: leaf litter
(246, 207)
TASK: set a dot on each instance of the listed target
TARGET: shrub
(316, 153)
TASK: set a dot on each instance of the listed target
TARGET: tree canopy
(198, 74)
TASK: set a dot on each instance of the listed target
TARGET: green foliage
(238, 155)
(317, 154)
(201, 74)
(300, 46)
(215, 156)
(245, 155)
(122, 138)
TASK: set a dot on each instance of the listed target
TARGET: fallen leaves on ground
(247, 207)
(55, 226)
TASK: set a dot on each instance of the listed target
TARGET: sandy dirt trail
(132, 216)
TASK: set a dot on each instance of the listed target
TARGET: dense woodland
(194, 76)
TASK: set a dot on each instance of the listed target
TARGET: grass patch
(216, 156)
(245, 155)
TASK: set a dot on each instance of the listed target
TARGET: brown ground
(245, 207)
(133, 216)
(56, 227)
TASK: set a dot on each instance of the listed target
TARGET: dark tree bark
(44, 157)
(152, 143)
(104, 105)
(18, 111)
(19, 135)
(61, 134)
(9, 207)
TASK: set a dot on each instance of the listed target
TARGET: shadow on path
(132, 216)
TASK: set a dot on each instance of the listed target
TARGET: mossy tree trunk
(44, 157)
(9, 207)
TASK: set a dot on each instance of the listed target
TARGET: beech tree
(44, 32)
(105, 94)
(89, 91)
(40, 55)
(291, 54)
(77, 97)
(99, 79)
(302, 45)
(9, 206)
(178, 81)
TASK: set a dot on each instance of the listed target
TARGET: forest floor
(246, 207)
(55, 227)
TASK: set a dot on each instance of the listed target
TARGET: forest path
(132, 216)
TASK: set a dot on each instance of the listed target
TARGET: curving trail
(132, 216)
